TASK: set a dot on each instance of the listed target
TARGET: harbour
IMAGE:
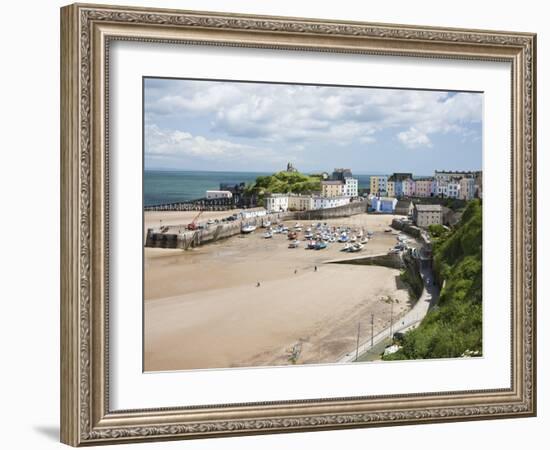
(288, 299)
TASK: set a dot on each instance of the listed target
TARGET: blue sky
(233, 126)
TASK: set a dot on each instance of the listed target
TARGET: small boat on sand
(248, 228)
(320, 245)
(294, 244)
(268, 235)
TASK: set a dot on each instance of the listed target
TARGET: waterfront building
(404, 207)
(400, 176)
(383, 204)
(409, 187)
(467, 188)
(441, 188)
(276, 202)
(321, 202)
(351, 187)
(212, 194)
(378, 184)
(453, 188)
(426, 215)
(341, 174)
(391, 188)
(298, 202)
(425, 187)
(332, 188)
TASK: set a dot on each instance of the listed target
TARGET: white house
(218, 194)
(441, 188)
(351, 187)
(276, 202)
(319, 202)
(453, 189)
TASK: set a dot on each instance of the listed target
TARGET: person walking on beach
(258, 284)
(295, 271)
(315, 270)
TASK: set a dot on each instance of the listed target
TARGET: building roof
(428, 208)
(403, 204)
(332, 182)
(400, 176)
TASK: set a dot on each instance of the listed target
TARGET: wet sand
(203, 308)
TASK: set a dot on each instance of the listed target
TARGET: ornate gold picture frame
(87, 31)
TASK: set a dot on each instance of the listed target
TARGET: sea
(170, 186)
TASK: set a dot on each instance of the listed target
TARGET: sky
(259, 127)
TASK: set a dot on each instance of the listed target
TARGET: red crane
(193, 225)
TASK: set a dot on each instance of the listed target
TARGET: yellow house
(391, 188)
(332, 188)
(378, 184)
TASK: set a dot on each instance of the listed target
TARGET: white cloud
(413, 138)
(162, 143)
(294, 114)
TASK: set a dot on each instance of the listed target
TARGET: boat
(292, 235)
(248, 228)
(343, 238)
(353, 239)
(320, 245)
(294, 244)
(346, 247)
(364, 240)
(266, 224)
(311, 245)
(356, 248)
(268, 235)
(387, 230)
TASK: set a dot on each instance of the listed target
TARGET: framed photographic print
(279, 224)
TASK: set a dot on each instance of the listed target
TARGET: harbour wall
(393, 261)
(331, 213)
(405, 262)
(177, 236)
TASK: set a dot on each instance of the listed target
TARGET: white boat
(294, 244)
(356, 248)
(248, 228)
(268, 235)
(266, 224)
(364, 240)
(353, 238)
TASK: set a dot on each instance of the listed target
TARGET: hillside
(284, 182)
(454, 326)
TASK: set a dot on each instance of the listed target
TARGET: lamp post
(357, 346)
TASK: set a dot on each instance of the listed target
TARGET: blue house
(383, 204)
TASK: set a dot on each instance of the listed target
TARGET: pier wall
(408, 228)
(330, 213)
(177, 236)
(393, 261)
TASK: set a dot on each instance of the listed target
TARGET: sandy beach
(203, 308)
